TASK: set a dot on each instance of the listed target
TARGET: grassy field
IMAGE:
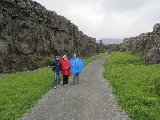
(21, 91)
(137, 87)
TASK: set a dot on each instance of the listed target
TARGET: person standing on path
(76, 68)
(65, 69)
(56, 67)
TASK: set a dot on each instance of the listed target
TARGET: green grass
(87, 60)
(137, 87)
(21, 91)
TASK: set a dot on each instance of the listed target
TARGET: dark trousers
(65, 79)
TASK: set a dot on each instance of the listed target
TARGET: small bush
(46, 62)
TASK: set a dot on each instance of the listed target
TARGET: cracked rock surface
(91, 99)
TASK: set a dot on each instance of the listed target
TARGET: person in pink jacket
(65, 69)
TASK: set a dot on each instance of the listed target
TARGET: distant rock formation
(111, 41)
(148, 44)
(29, 33)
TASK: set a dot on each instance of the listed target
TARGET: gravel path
(91, 99)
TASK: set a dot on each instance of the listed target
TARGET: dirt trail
(91, 99)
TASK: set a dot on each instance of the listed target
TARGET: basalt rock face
(113, 47)
(153, 55)
(148, 44)
(29, 33)
(142, 43)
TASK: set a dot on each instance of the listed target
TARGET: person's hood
(74, 55)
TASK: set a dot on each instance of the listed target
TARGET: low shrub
(46, 62)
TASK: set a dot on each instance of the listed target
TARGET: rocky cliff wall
(29, 33)
(148, 44)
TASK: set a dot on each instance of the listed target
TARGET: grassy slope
(19, 92)
(137, 87)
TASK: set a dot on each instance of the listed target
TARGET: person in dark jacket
(57, 68)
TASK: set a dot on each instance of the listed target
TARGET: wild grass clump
(135, 85)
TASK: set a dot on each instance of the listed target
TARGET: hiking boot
(64, 85)
(55, 87)
(67, 84)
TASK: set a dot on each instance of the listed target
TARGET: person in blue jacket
(77, 65)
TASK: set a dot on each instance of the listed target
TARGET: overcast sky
(108, 18)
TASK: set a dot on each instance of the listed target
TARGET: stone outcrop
(29, 33)
(101, 47)
(113, 47)
(148, 44)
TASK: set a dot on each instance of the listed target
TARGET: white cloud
(108, 18)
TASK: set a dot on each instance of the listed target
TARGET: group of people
(67, 68)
